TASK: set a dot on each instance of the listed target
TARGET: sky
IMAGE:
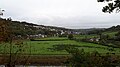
(73, 14)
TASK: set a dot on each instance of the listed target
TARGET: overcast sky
(62, 13)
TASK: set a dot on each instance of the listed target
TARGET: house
(94, 39)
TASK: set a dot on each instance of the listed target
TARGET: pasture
(44, 46)
(85, 36)
(111, 34)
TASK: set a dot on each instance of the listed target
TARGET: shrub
(70, 36)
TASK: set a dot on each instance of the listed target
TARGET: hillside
(114, 28)
(25, 29)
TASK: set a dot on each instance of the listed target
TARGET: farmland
(44, 46)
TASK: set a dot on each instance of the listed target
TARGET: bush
(79, 58)
(70, 36)
(63, 35)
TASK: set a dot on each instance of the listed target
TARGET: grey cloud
(64, 13)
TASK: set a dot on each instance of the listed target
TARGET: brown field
(41, 60)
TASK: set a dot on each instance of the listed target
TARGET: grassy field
(43, 47)
(85, 36)
(111, 34)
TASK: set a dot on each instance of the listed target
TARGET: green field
(45, 44)
(85, 36)
(111, 34)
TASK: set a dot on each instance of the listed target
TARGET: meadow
(111, 34)
(44, 46)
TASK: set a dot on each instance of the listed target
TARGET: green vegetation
(41, 40)
(80, 58)
(44, 46)
(85, 36)
(70, 36)
(110, 33)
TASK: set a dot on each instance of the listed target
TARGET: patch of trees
(102, 39)
(96, 31)
(105, 39)
(24, 29)
(113, 5)
(110, 41)
(19, 28)
(114, 40)
(80, 58)
(7, 26)
(113, 28)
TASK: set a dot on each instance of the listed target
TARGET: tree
(80, 58)
(11, 52)
(70, 36)
(4, 30)
(15, 54)
(113, 5)
(1, 12)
